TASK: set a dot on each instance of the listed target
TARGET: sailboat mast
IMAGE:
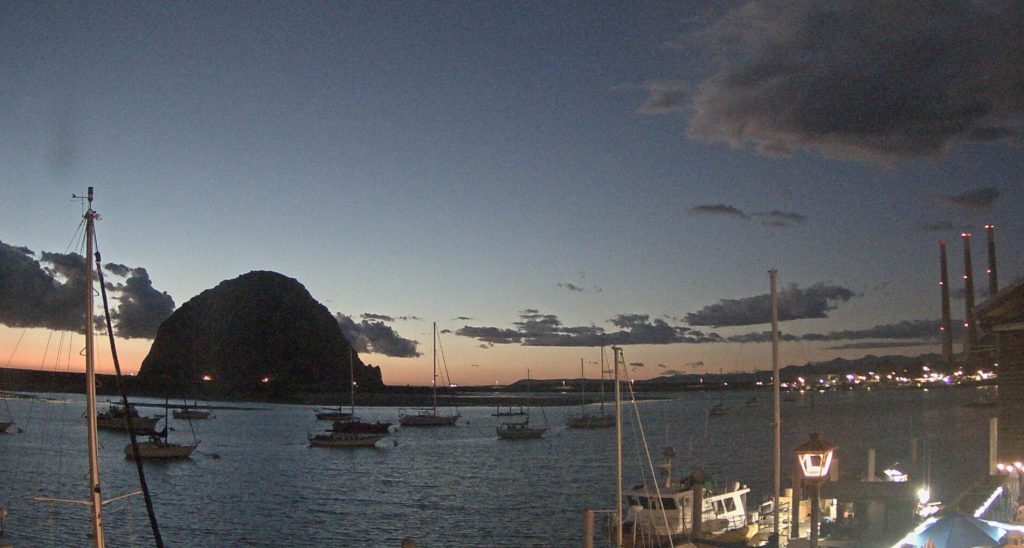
(351, 384)
(617, 353)
(434, 378)
(96, 499)
(777, 419)
(583, 389)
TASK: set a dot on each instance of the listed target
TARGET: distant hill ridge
(260, 335)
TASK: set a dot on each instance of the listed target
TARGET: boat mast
(351, 384)
(96, 499)
(777, 419)
(434, 378)
(583, 390)
(617, 353)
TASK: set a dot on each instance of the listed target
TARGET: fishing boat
(661, 513)
(591, 419)
(429, 417)
(655, 516)
(114, 419)
(353, 424)
(159, 447)
(521, 430)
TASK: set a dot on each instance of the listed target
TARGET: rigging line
(643, 436)
(7, 405)
(124, 401)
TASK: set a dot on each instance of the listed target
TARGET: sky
(534, 177)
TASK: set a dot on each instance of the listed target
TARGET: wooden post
(794, 504)
(697, 509)
(588, 529)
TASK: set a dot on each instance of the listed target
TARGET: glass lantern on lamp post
(815, 457)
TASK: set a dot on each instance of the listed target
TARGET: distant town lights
(207, 378)
(265, 380)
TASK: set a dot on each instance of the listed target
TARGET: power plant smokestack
(947, 328)
(971, 335)
(993, 283)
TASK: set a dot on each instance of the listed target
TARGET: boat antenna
(124, 399)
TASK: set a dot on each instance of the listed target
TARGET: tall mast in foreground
(617, 353)
(777, 420)
(95, 496)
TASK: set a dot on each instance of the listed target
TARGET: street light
(815, 457)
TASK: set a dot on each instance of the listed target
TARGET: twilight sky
(533, 176)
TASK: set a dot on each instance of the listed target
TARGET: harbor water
(254, 481)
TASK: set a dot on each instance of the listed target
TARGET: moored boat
(354, 425)
(343, 439)
(114, 419)
(431, 416)
(587, 418)
(521, 430)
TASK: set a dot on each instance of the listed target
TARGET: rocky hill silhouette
(258, 336)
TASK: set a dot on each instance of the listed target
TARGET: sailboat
(521, 430)
(591, 419)
(159, 447)
(351, 424)
(429, 417)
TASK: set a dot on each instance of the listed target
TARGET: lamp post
(815, 457)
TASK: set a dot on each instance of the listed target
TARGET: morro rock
(261, 336)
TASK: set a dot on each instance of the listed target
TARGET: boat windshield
(649, 503)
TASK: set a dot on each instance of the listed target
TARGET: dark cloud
(781, 219)
(794, 304)
(907, 329)
(372, 335)
(862, 80)
(718, 209)
(34, 295)
(463, 318)
(536, 329)
(117, 269)
(50, 293)
(980, 199)
(141, 308)
(636, 364)
(571, 287)
(376, 317)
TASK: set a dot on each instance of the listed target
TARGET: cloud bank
(371, 334)
(879, 81)
(794, 304)
(49, 293)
